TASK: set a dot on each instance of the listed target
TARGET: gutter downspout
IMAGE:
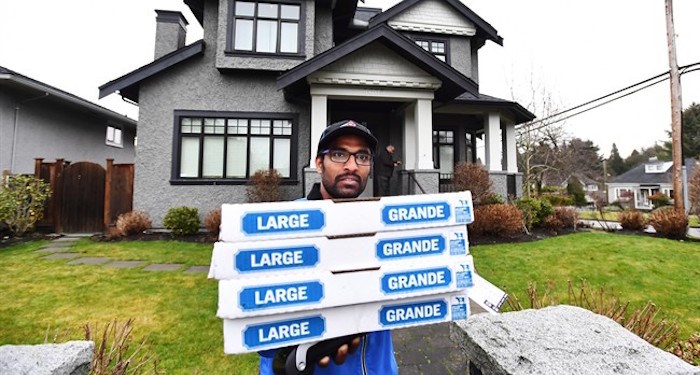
(15, 128)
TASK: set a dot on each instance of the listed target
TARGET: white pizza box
(487, 295)
(297, 219)
(275, 294)
(280, 330)
(261, 258)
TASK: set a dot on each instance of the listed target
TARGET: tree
(575, 189)
(615, 163)
(690, 130)
(538, 139)
(639, 157)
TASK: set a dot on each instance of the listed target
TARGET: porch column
(492, 125)
(409, 138)
(510, 146)
(424, 136)
(473, 148)
(319, 119)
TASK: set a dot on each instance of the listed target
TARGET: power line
(684, 69)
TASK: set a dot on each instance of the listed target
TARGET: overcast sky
(577, 50)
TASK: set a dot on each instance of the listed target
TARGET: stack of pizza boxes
(305, 271)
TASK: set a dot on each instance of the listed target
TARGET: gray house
(41, 121)
(268, 76)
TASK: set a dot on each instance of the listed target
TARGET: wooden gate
(84, 197)
(82, 206)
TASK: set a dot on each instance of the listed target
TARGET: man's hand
(341, 354)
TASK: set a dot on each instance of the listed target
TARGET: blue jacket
(375, 356)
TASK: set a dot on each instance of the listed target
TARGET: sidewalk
(692, 232)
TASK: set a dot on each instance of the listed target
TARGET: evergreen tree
(690, 133)
(575, 189)
(616, 166)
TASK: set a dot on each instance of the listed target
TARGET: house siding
(433, 13)
(49, 130)
(197, 85)
(376, 60)
(323, 30)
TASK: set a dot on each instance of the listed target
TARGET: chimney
(170, 32)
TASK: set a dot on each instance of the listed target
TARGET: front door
(379, 118)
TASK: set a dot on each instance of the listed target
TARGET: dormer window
(437, 47)
(265, 28)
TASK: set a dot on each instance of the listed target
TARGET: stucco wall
(461, 55)
(47, 129)
(198, 85)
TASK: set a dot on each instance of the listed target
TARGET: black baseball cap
(345, 127)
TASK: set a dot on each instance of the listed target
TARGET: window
(444, 152)
(114, 137)
(437, 47)
(232, 146)
(265, 27)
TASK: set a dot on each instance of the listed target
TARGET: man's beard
(334, 191)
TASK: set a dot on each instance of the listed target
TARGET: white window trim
(116, 130)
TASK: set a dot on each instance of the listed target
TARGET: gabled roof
(483, 28)
(454, 83)
(521, 114)
(10, 78)
(637, 175)
(128, 84)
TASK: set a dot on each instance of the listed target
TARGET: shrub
(568, 216)
(22, 202)
(659, 199)
(558, 199)
(264, 186)
(182, 221)
(473, 177)
(534, 210)
(688, 350)
(669, 222)
(632, 220)
(492, 198)
(552, 223)
(575, 189)
(496, 219)
(133, 222)
(212, 222)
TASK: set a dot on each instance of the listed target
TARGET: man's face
(343, 180)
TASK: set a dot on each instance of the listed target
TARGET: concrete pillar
(511, 149)
(319, 120)
(424, 136)
(409, 138)
(492, 127)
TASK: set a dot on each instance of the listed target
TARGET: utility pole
(675, 109)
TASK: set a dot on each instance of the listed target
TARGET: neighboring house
(590, 186)
(633, 188)
(41, 121)
(268, 76)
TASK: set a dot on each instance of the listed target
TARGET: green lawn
(637, 268)
(175, 311)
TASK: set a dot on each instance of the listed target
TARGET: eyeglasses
(339, 156)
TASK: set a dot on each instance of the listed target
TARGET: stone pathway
(60, 249)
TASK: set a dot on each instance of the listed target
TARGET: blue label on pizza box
(397, 315)
(283, 331)
(415, 213)
(408, 281)
(276, 258)
(270, 222)
(410, 247)
(269, 296)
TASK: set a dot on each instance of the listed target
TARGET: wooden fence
(85, 197)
